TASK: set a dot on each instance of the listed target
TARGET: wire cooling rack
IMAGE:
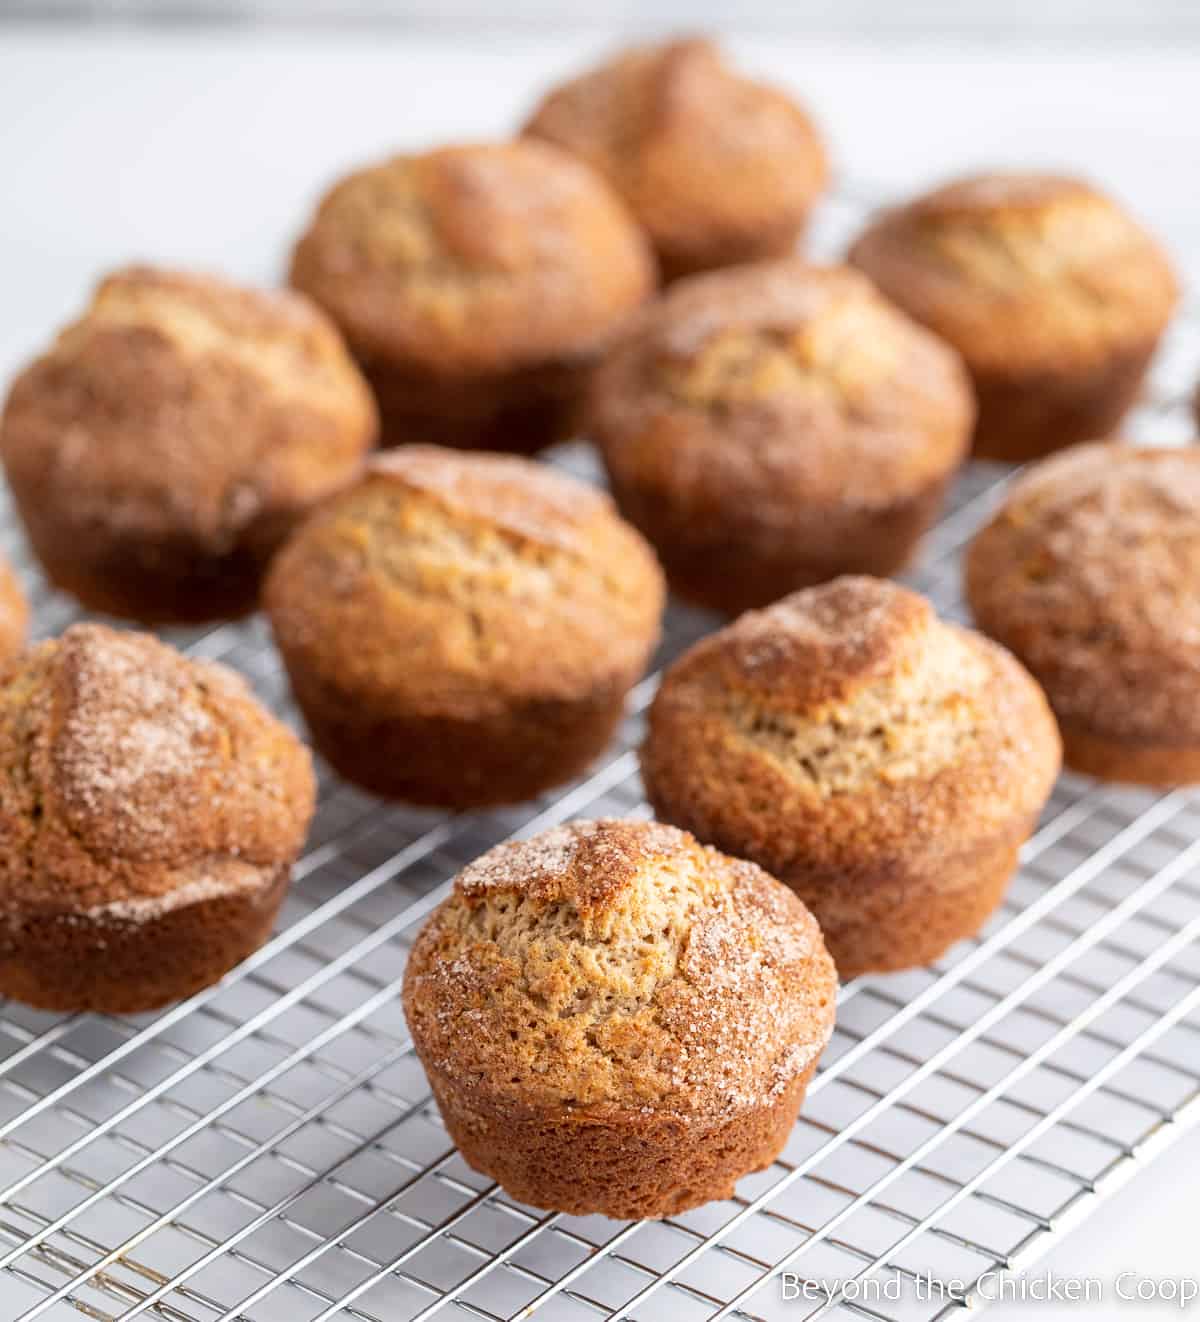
(268, 1151)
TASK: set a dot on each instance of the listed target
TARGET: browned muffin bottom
(617, 1020)
(475, 284)
(773, 426)
(14, 613)
(163, 446)
(462, 629)
(884, 764)
(718, 168)
(1090, 572)
(150, 812)
(1055, 298)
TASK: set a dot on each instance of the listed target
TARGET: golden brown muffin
(1090, 573)
(150, 813)
(168, 440)
(1055, 298)
(718, 169)
(616, 1020)
(773, 426)
(462, 629)
(476, 284)
(14, 613)
(884, 764)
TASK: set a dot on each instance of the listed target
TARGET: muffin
(773, 426)
(884, 764)
(14, 613)
(462, 629)
(476, 285)
(617, 1020)
(1090, 573)
(717, 168)
(1055, 298)
(167, 441)
(150, 813)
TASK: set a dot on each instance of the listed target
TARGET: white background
(207, 146)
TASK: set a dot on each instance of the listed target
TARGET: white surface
(1069, 19)
(207, 149)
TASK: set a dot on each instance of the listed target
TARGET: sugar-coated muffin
(1054, 296)
(476, 284)
(719, 169)
(884, 764)
(773, 426)
(150, 813)
(617, 1020)
(1090, 573)
(167, 441)
(462, 629)
(14, 613)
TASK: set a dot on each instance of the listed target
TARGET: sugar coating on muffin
(882, 762)
(1021, 268)
(1090, 572)
(607, 977)
(150, 811)
(163, 445)
(772, 426)
(481, 616)
(719, 168)
(473, 258)
(1041, 282)
(473, 282)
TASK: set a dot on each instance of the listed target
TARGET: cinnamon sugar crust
(618, 982)
(1044, 285)
(168, 439)
(136, 787)
(771, 426)
(475, 284)
(720, 169)
(482, 615)
(1089, 573)
(863, 751)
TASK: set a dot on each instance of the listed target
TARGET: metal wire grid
(268, 1151)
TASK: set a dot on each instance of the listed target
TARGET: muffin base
(520, 412)
(1136, 763)
(903, 923)
(1028, 415)
(75, 961)
(226, 590)
(735, 571)
(627, 1166)
(459, 762)
(161, 582)
(676, 262)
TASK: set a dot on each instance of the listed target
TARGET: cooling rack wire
(268, 1151)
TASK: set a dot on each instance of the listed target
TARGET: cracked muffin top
(1090, 572)
(182, 405)
(445, 578)
(1020, 269)
(848, 730)
(710, 162)
(618, 966)
(779, 382)
(129, 772)
(474, 259)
